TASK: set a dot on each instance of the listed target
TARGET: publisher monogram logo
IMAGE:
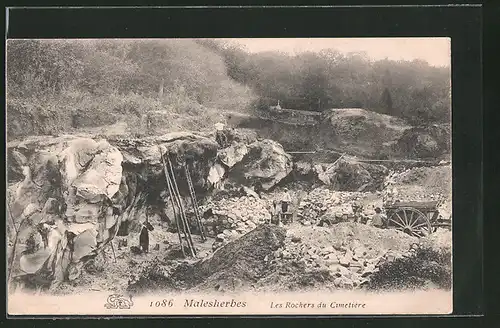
(117, 301)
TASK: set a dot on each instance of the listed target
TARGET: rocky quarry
(72, 197)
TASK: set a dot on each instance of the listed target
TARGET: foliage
(424, 266)
(83, 83)
(204, 77)
(413, 90)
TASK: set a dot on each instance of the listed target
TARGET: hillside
(151, 87)
(353, 131)
(148, 87)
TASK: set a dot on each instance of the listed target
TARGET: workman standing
(285, 201)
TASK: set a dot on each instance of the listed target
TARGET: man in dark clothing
(221, 139)
(144, 236)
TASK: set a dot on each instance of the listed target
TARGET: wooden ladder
(178, 208)
(196, 209)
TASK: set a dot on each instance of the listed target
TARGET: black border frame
(461, 23)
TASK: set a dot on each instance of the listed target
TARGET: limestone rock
(345, 261)
(266, 162)
(233, 154)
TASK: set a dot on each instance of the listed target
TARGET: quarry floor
(305, 245)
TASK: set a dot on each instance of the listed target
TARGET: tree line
(150, 68)
(316, 81)
(220, 76)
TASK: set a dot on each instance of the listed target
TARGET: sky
(436, 51)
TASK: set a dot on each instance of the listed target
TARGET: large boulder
(430, 141)
(266, 162)
(351, 175)
(90, 173)
(233, 154)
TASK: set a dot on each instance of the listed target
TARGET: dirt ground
(106, 274)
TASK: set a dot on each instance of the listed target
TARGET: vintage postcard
(229, 176)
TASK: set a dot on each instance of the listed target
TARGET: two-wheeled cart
(417, 219)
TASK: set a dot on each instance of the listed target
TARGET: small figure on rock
(286, 200)
(44, 231)
(220, 136)
(210, 219)
(70, 237)
(357, 209)
(31, 245)
(144, 236)
(189, 160)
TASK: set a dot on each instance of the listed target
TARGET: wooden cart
(287, 217)
(417, 219)
(280, 217)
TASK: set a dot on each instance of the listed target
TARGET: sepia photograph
(229, 176)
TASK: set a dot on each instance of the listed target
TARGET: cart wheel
(411, 221)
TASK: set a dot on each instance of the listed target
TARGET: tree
(50, 64)
(386, 101)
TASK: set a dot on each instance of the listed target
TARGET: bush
(34, 118)
(424, 267)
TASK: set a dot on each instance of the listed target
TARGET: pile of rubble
(233, 217)
(235, 266)
(349, 252)
(333, 206)
(421, 184)
(230, 218)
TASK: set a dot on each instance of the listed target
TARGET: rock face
(425, 142)
(70, 195)
(358, 131)
(233, 154)
(90, 173)
(266, 162)
(61, 198)
(75, 194)
(350, 175)
(144, 155)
